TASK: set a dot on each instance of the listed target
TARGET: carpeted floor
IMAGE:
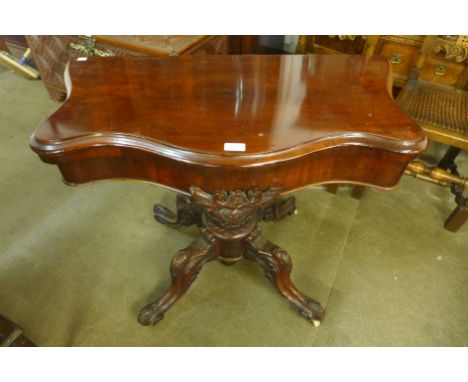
(77, 264)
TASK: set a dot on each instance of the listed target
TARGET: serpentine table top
(230, 134)
(227, 122)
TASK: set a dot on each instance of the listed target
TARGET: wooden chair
(436, 97)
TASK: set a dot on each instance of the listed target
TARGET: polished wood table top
(231, 134)
(231, 112)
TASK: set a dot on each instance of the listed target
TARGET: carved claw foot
(187, 213)
(185, 267)
(277, 267)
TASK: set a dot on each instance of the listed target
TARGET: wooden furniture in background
(16, 42)
(322, 44)
(12, 335)
(230, 134)
(435, 98)
(402, 51)
(445, 174)
(51, 53)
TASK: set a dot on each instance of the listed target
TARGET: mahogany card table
(231, 135)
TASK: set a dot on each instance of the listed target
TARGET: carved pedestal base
(229, 232)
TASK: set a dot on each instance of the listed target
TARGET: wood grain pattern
(303, 119)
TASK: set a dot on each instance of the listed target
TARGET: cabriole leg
(277, 267)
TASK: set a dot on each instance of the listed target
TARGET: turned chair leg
(277, 267)
(185, 267)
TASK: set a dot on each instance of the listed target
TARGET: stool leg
(459, 215)
(277, 267)
(185, 267)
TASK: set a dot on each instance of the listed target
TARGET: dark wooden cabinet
(401, 50)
